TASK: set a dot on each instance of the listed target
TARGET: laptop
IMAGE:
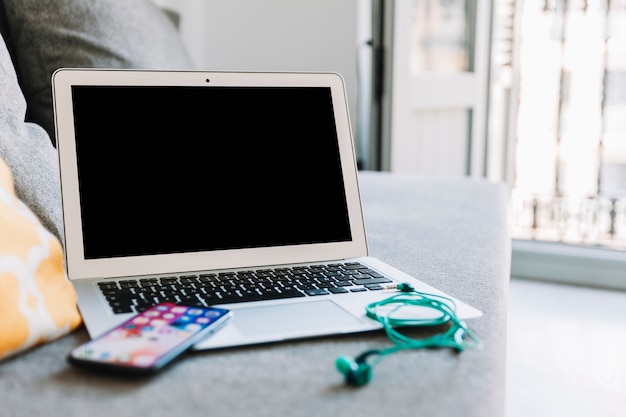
(233, 189)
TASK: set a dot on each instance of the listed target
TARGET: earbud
(356, 371)
(357, 374)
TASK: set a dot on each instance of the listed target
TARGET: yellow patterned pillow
(37, 303)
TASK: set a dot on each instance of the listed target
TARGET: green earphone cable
(454, 337)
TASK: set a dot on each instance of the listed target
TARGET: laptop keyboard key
(354, 265)
(371, 281)
(374, 287)
(122, 309)
(338, 290)
(317, 291)
(108, 285)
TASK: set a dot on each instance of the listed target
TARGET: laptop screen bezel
(78, 267)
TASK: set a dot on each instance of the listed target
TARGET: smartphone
(151, 339)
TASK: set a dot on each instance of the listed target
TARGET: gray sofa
(39, 36)
(451, 234)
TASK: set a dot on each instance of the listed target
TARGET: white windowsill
(571, 264)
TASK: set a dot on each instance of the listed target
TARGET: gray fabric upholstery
(39, 36)
(452, 234)
(44, 35)
(27, 150)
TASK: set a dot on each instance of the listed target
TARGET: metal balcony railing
(598, 222)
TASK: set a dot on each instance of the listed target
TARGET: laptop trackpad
(273, 323)
(292, 319)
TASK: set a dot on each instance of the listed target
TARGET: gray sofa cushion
(43, 35)
(27, 150)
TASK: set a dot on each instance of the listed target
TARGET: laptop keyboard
(136, 295)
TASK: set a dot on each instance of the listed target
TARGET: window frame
(568, 264)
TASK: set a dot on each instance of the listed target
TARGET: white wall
(273, 35)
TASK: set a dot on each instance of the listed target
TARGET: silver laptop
(216, 188)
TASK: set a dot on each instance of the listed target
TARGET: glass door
(437, 109)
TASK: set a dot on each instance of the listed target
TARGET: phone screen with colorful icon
(151, 339)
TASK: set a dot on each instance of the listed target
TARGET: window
(559, 96)
(570, 165)
(553, 101)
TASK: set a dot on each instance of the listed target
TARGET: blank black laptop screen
(185, 169)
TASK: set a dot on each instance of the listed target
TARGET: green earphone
(358, 371)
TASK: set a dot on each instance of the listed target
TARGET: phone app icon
(123, 357)
(194, 312)
(192, 327)
(144, 360)
(118, 332)
(141, 320)
(165, 330)
(179, 310)
(203, 320)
